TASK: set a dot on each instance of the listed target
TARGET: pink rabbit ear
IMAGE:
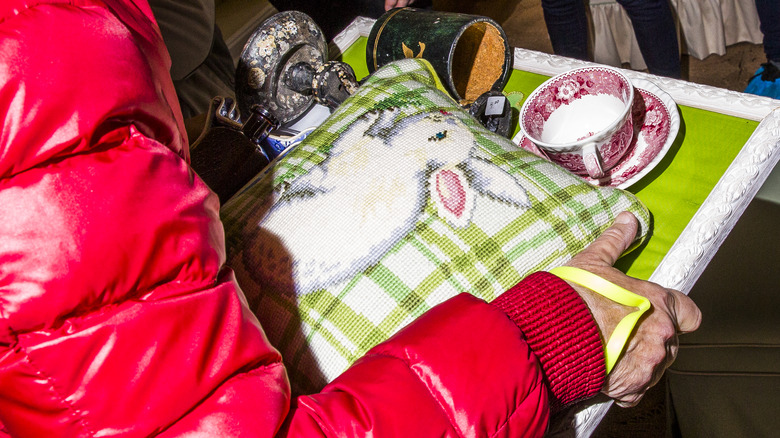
(453, 196)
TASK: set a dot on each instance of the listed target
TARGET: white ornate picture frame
(715, 218)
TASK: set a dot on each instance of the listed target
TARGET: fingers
(672, 347)
(653, 346)
(631, 398)
(390, 4)
(608, 247)
(629, 404)
(685, 311)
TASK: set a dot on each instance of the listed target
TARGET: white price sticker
(495, 105)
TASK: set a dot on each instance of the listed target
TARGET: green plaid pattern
(321, 333)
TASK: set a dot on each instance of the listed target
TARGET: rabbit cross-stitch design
(347, 212)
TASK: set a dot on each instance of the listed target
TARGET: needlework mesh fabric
(397, 202)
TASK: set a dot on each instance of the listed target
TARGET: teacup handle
(590, 157)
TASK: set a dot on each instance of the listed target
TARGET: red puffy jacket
(118, 316)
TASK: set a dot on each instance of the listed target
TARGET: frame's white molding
(360, 27)
(693, 250)
(685, 93)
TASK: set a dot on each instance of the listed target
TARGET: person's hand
(653, 345)
(390, 4)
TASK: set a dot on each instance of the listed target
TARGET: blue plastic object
(766, 81)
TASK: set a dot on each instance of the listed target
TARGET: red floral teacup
(581, 119)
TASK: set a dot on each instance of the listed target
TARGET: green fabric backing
(706, 144)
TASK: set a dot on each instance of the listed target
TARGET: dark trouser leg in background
(653, 25)
(656, 35)
(765, 82)
(769, 16)
(567, 26)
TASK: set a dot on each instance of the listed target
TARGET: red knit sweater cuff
(562, 334)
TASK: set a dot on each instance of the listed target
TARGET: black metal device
(284, 68)
(227, 154)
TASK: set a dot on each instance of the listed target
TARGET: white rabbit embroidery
(346, 213)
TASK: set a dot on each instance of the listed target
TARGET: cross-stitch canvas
(399, 201)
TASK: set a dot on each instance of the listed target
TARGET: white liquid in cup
(582, 118)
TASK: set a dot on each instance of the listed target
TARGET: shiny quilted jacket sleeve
(116, 314)
(467, 368)
(461, 370)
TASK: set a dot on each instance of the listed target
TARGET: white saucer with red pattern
(656, 123)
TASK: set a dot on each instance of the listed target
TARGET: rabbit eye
(441, 135)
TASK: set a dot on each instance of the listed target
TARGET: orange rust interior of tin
(478, 61)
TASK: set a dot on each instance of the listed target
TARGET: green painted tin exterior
(432, 35)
